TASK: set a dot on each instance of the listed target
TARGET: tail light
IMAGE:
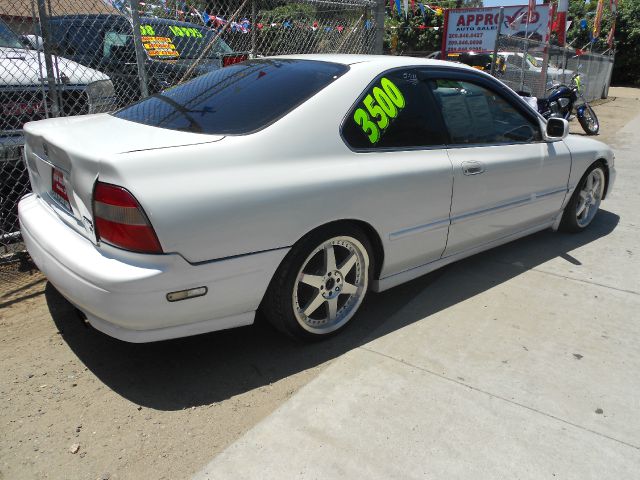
(231, 59)
(120, 220)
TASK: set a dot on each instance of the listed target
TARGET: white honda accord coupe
(293, 185)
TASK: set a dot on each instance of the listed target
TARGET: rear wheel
(585, 201)
(321, 283)
(589, 121)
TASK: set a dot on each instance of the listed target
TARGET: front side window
(393, 112)
(474, 114)
(234, 100)
(84, 40)
(115, 42)
(8, 39)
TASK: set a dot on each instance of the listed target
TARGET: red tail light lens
(231, 59)
(120, 220)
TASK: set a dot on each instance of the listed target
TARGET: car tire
(321, 283)
(589, 121)
(585, 201)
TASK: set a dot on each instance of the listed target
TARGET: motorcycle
(561, 101)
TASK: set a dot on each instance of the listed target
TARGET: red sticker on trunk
(58, 188)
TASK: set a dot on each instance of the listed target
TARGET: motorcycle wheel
(589, 121)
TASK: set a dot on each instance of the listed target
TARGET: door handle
(472, 168)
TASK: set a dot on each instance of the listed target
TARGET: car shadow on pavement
(205, 369)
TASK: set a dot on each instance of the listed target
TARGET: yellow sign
(159, 46)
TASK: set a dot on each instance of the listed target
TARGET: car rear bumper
(124, 294)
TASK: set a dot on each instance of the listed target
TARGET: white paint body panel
(23, 67)
(124, 294)
(521, 186)
(227, 209)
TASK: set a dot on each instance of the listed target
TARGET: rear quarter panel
(266, 190)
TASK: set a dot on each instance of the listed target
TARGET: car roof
(169, 21)
(94, 16)
(387, 61)
(110, 17)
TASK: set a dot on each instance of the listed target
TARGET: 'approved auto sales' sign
(475, 29)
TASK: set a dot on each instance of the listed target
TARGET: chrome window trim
(512, 203)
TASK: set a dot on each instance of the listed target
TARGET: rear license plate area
(59, 189)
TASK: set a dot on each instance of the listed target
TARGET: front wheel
(320, 284)
(589, 121)
(585, 201)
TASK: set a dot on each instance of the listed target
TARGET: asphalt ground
(520, 362)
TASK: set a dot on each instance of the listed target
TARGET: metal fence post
(43, 89)
(495, 48)
(607, 82)
(47, 53)
(564, 62)
(254, 15)
(378, 43)
(543, 74)
(524, 54)
(140, 55)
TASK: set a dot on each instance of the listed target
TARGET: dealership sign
(476, 29)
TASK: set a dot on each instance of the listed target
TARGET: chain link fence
(74, 57)
(521, 65)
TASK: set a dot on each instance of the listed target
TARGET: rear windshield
(163, 41)
(235, 100)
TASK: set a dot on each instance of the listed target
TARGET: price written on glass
(381, 106)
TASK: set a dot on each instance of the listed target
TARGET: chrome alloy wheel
(590, 197)
(331, 285)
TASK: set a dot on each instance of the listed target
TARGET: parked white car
(24, 88)
(23, 97)
(534, 65)
(293, 184)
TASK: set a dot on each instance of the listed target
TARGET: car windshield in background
(8, 39)
(235, 100)
(534, 61)
(164, 41)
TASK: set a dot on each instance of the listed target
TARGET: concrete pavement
(521, 362)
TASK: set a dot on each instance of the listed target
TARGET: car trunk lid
(65, 157)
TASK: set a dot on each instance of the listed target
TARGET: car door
(395, 137)
(507, 180)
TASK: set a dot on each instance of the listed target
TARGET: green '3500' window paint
(383, 104)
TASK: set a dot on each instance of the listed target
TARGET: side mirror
(557, 129)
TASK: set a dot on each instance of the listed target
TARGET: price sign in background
(475, 29)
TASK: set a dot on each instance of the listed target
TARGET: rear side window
(235, 100)
(394, 112)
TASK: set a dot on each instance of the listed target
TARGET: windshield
(8, 38)
(238, 99)
(476, 60)
(164, 41)
(533, 61)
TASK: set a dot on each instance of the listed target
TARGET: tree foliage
(626, 68)
(415, 32)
